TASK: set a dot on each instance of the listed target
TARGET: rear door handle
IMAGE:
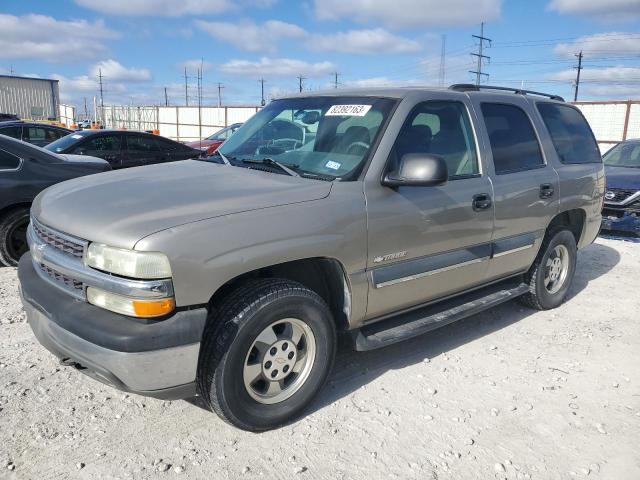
(546, 190)
(481, 201)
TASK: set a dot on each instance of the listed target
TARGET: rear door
(426, 243)
(525, 184)
(141, 150)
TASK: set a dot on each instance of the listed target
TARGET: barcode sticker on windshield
(348, 110)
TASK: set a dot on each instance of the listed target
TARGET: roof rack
(466, 87)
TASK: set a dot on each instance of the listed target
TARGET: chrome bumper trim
(43, 253)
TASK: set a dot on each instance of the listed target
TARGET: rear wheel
(266, 353)
(13, 236)
(552, 272)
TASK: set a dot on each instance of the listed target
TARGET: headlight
(130, 306)
(128, 263)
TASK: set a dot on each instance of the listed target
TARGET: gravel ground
(511, 393)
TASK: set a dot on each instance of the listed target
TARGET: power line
(442, 61)
(478, 71)
(579, 67)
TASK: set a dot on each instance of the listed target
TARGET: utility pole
(579, 67)
(166, 98)
(262, 102)
(335, 80)
(478, 71)
(101, 96)
(86, 111)
(220, 87)
(300, 80)
(186, 88)
(442, 59)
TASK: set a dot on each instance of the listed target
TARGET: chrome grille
(60, 241)
(62, 280)
(620, 194)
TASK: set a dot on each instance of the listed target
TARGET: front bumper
(627, 222)
(157, 359)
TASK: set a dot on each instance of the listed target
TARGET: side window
(513, 140)
(106, 143)
(37, 134)
(14, 132)
(8, 161)
(570, 133)
(141, 144)
(54, 134)
(440, 128)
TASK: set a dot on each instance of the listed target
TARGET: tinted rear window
(513, 141)
(570, 133)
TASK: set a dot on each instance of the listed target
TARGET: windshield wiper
(222, 156)
(271, 161)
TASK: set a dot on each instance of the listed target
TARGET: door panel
(429, 242)
(142, 150)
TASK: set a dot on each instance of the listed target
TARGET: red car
(211, 144)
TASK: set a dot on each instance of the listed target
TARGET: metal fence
(179, 123)
(612, 121)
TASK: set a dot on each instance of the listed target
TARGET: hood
(83, 159)
(623, 177)
(121, 207)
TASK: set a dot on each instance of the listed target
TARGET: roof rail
(466, 87)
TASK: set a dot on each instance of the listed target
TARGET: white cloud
(195, 64)
(375, 41)
(606, 10)
(410, 13)
(601, 45)
(612, 91)
(41, 37)
(160, 8)
(616, 75)
(114, 71)
(250, 36)
(277, 67)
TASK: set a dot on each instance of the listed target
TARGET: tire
(13, 239)
(543, 295)
(231, 351)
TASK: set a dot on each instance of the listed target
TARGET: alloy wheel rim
(279, 361)
(556, 269)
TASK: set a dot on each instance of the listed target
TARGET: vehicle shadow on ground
(354, 369)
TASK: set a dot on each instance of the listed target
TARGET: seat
(415, 139)
(356, 141)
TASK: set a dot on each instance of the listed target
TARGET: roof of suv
(401, 92)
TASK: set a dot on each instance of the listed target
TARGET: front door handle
(481, 201)
(546, 190)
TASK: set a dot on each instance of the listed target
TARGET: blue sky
(142, 46)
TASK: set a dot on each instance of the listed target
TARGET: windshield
(65, 142)
(624, 155)
(224, 133)
(323, 137)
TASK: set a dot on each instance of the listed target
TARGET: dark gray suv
(385, 213)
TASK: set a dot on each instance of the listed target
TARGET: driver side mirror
(418, 170)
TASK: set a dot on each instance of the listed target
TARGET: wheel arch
(325, 276)
(574, 220)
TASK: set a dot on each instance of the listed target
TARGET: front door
(427, 243)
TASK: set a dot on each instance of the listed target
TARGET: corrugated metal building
(29, 98)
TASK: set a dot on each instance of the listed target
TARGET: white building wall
(29, 98)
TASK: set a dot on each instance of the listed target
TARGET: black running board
(424, 319)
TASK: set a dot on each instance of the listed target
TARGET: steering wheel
(293, 142)
(354, 145)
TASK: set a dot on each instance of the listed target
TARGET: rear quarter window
(8, 161)
(570, 133)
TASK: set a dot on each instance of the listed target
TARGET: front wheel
(552, 272)
(13, 236)
(266, 353)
